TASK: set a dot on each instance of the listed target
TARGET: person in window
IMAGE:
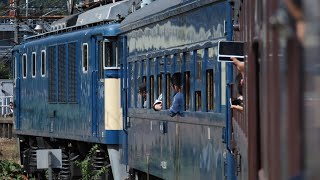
(157, 105)
(238, 102)
(178, 101)
(239, 82)
(10, 113)
(239, 65)
(143, 93)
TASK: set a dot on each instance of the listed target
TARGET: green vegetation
(86, 166)
(11, 170)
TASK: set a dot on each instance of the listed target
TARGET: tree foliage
(11, 170)
(87, 166)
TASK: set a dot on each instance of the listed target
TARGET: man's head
(143, 90)
(176, 81)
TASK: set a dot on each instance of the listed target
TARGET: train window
(24, 66)
(110, 54)
(151, 89)
(159, 84)
(188, 56)
(198, 100)
(43, 63)
(179, 57)
(187, 90)
(168, 101)
(85, 57)
(33, 64)
(132, 66)
(210, 90)
(200, 55)
(212, 53)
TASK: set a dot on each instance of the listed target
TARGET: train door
(98, 89)
(16, 77)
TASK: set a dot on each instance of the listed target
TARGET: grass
(9, 150)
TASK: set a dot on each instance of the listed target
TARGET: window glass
(200, 55)
(132, 84)
(85, 57)
(188, 56)
(179, 57)
(43, 63)
(110, 54)
(33, 64)
(212, 53)
(24, 66)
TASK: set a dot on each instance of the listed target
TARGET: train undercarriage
(79, 159)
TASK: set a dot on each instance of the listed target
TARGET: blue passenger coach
(67, 92)
(163, 38)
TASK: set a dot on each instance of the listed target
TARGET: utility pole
(16, 21)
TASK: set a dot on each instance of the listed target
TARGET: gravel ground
(9, 150)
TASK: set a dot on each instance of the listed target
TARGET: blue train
(77, 86)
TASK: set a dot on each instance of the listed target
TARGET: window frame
(85, 67)
(24, 66)
(43, 68)
(116, 54)
(33, 64)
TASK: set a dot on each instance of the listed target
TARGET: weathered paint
(188, 147)
(60, 120)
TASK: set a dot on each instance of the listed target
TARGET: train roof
(159, 10)
(107, 12)
(146, 12)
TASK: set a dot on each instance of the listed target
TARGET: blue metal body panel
(188, 147)
(82, 120)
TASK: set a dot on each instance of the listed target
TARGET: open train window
(210, 90)
(198, 101)
(159, 84)
(151, 89)
(33, 64)
(168, 78)
(187, 90)
(132, 80)
(85, 57)
(110, 54)
(43, 63)
(24, 66)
